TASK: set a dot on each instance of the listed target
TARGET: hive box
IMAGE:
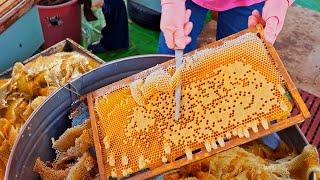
(20, 40)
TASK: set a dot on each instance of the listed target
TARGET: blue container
(21, 39)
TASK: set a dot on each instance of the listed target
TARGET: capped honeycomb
(227, 91)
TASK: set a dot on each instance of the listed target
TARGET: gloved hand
(175, 23)
(273, 15)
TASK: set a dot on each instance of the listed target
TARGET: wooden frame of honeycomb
(233, 91)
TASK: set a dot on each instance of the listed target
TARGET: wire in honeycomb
(227, 91)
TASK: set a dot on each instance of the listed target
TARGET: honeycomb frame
(102, 143)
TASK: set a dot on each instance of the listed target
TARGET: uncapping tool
(179, 59)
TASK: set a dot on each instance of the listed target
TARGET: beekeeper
(183, 20)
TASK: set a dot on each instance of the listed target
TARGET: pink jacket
(222, 5)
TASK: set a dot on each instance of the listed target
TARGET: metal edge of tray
(66, 45)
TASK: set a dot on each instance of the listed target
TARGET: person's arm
(175, 23)
(273, 15)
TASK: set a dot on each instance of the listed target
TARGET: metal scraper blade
(179, 59)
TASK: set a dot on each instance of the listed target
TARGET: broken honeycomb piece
(27, 112)
(27, 86)
(68, 138)
(19, 110)
(242, 163)
(2, 170)
(225, 91)
(157, 81)
(2, 137)
(5, 151)
(4, 91)
(37, 101)
(11, 110)
(12, 135)
(82, 144)
(81, 170)
(48, 173)
(46, 91)
(4, 125)
(62, 160)
(135, 88)
(176, 77)
(302, 165)
(40, 79)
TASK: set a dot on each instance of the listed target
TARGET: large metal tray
(51, 119)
